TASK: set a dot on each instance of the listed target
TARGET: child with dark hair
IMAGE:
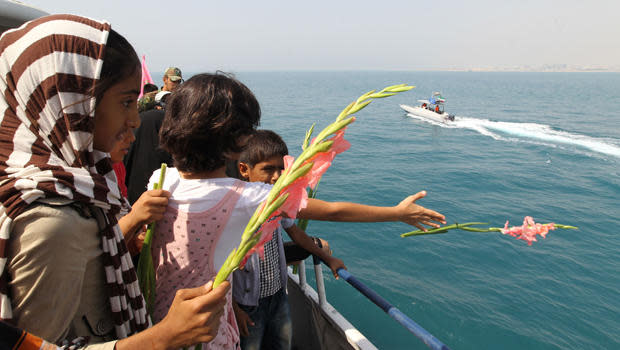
(208, 121)
(259, 290)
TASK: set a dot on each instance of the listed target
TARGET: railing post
(302, 274)
(320, 284)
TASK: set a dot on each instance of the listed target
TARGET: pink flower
(288, 161)
(323, 160)
(297, 197)
(266, 232)
(297, 194)
(528, 230)
(340, 144)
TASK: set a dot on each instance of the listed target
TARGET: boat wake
(533, 133)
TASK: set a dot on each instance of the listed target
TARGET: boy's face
(267, 171)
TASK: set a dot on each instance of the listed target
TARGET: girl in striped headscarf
(69, 87)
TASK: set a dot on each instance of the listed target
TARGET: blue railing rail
(378, 300)
(393, 312)
(430, 340)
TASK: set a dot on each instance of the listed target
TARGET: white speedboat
(431, 109)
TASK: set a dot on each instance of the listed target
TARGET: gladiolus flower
(266, 231)
(528, 230)
(297, 198)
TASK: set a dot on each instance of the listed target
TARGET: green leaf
(307, 138)
(272, 207)
(389, 88)
(345, 111)
(401, 89)
(382, 94)
(364, 97)
(358, 107)
(303, 170)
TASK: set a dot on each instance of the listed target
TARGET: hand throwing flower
(288, 194)
(526, 232)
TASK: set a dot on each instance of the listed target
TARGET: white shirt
(198, 195)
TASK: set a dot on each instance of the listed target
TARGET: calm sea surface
(540, 144)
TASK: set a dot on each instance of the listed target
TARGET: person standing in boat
(65, 273)
(259, 290)
(145, 154)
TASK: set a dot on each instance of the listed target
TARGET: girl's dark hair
(205, 116)
(119, 62)
(261, 146)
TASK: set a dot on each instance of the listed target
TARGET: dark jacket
(145, 155)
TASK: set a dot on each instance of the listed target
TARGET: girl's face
(117, 113)
(122, 148)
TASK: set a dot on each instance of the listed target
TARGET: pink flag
(146, 77)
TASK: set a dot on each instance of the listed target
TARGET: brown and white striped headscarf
(48, 69)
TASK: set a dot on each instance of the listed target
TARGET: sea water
(545, 145)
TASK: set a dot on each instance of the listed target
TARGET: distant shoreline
(541, 70)
(191, 72)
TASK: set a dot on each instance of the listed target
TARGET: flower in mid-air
(528, 230)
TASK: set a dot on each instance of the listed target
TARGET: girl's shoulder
(172, 176)
(255, 192)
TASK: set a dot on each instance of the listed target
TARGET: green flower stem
(146, 270)
(299, 168)
(466, 227)
(568, 227)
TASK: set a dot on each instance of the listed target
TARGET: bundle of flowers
(289, 194)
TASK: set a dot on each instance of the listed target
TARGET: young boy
(260, 302)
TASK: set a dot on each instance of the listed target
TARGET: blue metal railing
(388, 308)
(393, 312)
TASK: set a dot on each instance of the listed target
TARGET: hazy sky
(360, 35)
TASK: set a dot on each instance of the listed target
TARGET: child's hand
(150, 207)
(335, 264)
(194, 316)
(417, 215)
(243, 320)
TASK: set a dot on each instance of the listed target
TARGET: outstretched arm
(406, 211)
(300, 237)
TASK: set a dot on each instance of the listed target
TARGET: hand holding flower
(148, 208)
(195, 314)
